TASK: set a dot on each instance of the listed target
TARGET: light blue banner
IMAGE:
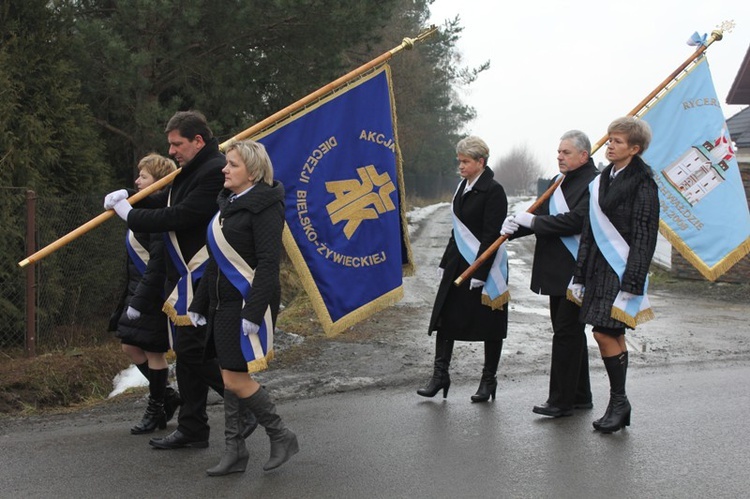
(704, 211)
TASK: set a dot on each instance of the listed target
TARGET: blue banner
(346, 232)
(704, 212)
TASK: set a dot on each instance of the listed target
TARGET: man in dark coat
(183, 212)
(554, 263)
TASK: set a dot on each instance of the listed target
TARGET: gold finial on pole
(408, 43)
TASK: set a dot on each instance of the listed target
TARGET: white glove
(132, 313)
(524, 219)
(475, 283)
(111, 199)
(626, 296)
(249, 328)
(197, 319)
(123, 208)
(577, 291)
(509, 226)
(439, 272)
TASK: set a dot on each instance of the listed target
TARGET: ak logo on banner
(704, 212)
(340, 166)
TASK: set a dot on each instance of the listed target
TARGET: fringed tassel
(498, 303)
(640, 318)
(571, 297)
(258, 365)
(177, 320)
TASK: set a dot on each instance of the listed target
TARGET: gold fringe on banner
(498, 303)
(407, 269)
(710, 273)
(308, 283)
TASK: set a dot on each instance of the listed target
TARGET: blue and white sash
(256, 348)
(137, 253)
(180, 297)
(495, 292)
(637, 310)
(558, 206)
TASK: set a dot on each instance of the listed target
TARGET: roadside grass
(62, 378)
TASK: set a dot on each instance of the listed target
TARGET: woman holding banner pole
(617, 244)
(239, 298)
(460, 312)
(138, 319)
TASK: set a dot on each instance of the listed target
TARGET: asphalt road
(365, 433)
(688, 438)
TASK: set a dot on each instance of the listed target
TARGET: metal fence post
(30, 274)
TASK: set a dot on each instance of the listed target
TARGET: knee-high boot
(235, 457)
(609, 406)
(488, 383)
(440, 379)
(154, 416)
(283, 442)
(618, 409)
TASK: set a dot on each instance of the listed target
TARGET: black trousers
(569, 373)
(195, 375)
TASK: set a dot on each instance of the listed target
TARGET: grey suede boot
(283, 442)
(235, 457)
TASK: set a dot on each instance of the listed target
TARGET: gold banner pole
(407, 43)
(487, 254)
(716, 35)
(96, 221)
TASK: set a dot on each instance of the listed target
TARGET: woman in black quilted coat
(138, 320)
(245, 246)
(628, 197)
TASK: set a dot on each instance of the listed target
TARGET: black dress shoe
(550, 410)
(178, 440)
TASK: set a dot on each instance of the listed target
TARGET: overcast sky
(558, 65)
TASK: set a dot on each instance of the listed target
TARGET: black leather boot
(618, 410)
(487, 387)
(155, 415)
(153, 418)
(488, 383)
(283, 441)
(440, 379)
(235, 457)
(624, 358)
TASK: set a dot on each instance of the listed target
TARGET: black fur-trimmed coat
(631, 202)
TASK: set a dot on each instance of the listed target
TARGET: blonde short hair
(156, 165)
(256, 159)
(473, 147)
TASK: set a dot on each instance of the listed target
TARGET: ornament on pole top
(725, 26)
(408, 43)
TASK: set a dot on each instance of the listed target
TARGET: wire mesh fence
(76, 288)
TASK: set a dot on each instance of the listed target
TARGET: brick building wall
(740, 272)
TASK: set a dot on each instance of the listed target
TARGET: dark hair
(190, 124)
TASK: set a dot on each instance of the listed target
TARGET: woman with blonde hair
(239, 298)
